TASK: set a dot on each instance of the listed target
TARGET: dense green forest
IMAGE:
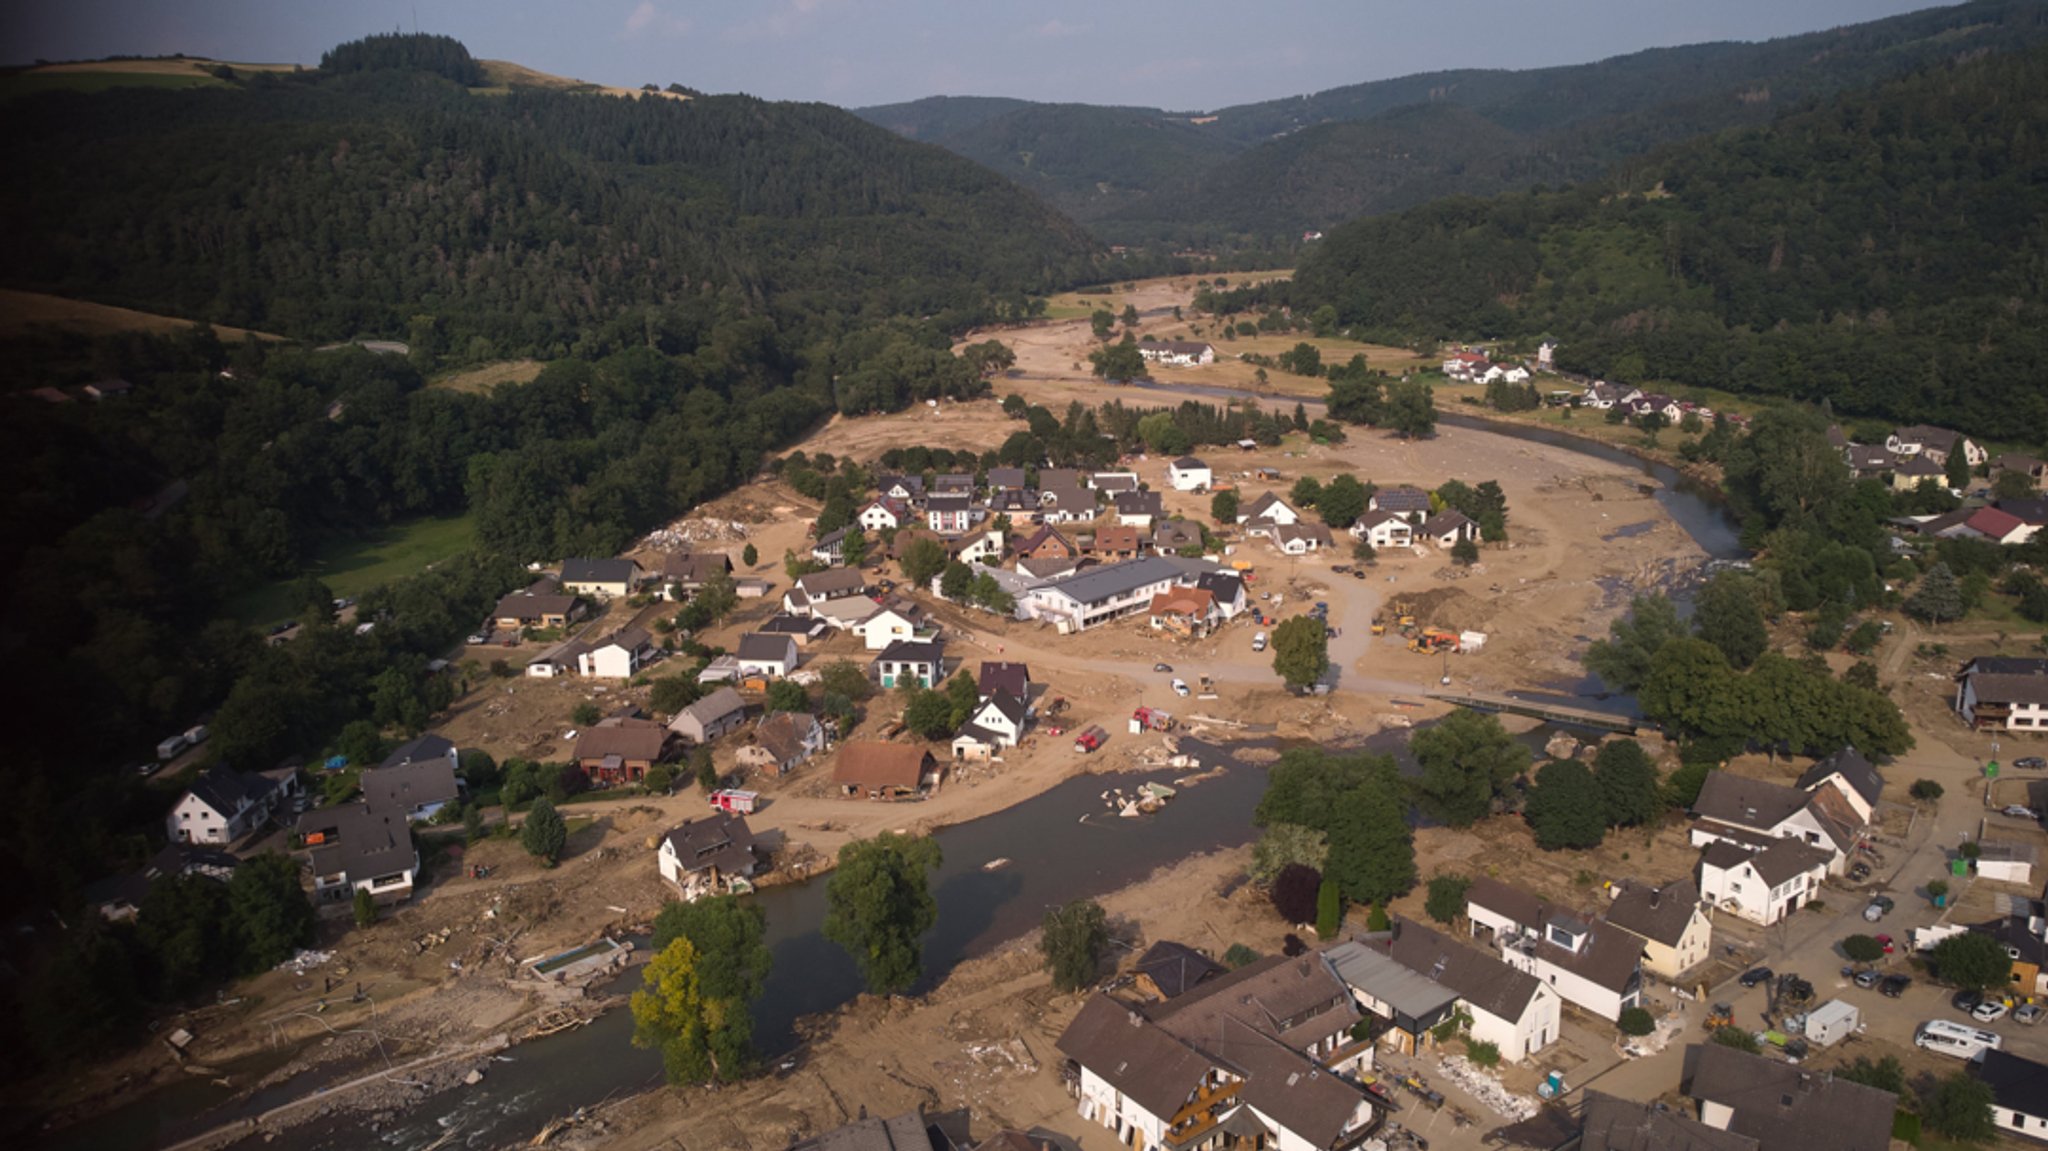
(1883, 251)
(1257, 172)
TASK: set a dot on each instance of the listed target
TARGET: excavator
(1433, 640)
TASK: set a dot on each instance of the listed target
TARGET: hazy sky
(1184, 55)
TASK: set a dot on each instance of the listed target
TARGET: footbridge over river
(1550, 711)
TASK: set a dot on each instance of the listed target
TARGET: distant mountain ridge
(1309, 162)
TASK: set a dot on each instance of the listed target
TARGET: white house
(1227, 588)
(996, 723)
(770, 656)
(2003, 693)
(982, 547)
(418, 780)
(1511, 1009)
(1188, 474)
(616, 656)
(1754, 813)
(1177, 353)
(949, 515)
(1851, 776)
(2019, 1093)
(819, 587)
(221, 807)
(1383, 530)
(1113, 482)
(1773, 1105)
(1099, 594)
(1301, 539)
(709, 856)
(883, 515)
(1446, 528)
(356, 848)
(1403, 500)
(1762, 886)
(830, 548)
(906, 661)
(603, 578)
(1603, 395)
(1937, 444)
(1138, 509)
(1670, 923)
(783, 740)
(1264, 514)
(903, 489)
(1589, 963)
(897, 620)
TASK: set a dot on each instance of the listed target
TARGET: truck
(1150, 719)
(734, 801)
(1832, 1022)
(1091, 737)
(1431, 640)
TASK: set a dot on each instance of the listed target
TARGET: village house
(1782, 1106)
(119, 898)
(883, 515)
(1227, 589)
(820, 587)
(804, 629)
(722, 711)
(1114, 543)
(2001, 526)
(416, 789)
(359, 848)
(845, 613)
(1098, 595)
(952, 484)
(2035, 470)
(1909, 471)
(1168, 970)
(1264, 514)
(222, 806)
(949, 515)
(1446, 528)
(1172, 535)
(1047, 569)
(783, 740)
(1866, 462)
(1751, 813)
(1008, 479)
(681, 575)
(884, 770)
(620, 751)
(1935, 444)
(1466, 365)
(1406, 1006)
(1138, 509)
(1177, 353)
(1511, 1009)
(1188, 612)
(1411, 503)
(603, 578)
(830, 548)
(997, 722)
(1260, 1054)
(616, 656)
(1301, 539)
(1021, 507)
(1044, 543)
(1761, 886)
(2003, 693)
(1110, 483)
(908, 490)
(1603, 395)
(2006, 862)
(899, 619)
(997, 675)
(1610, 1124)
(108, 389)
(1852, 776)
(766, 656)
(909, 661)
(1669, 922)
(977, 547)
(711, 855)
(564, 658)
(1383, 530)
(1588, 963)
(1188, 474)
(1063, 497)
(2019, 1093)
(538, 606)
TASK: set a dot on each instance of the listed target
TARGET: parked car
(1358, 573)
(1895, 985)
(1867, 979)
(1165, 668)
(477, 639)
(1756, 975)
(1886, 942)
(1259, 642)
(1878, 909)
(2029, 1013)
(1859, 872)
(1989, 1011)
(2031, 763)
(1180, 686)
(1966, 1001)
(2019, 812)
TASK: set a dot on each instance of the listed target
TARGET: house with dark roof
(895, 621)
(1669, 922)
(1262, 515)
(1408, 1004)
(1908, 472)
(1046, 542)
(1411, 503)
(701, 722)
(905, 489)
(222, 806)
(1783, 1106)
(1511, 1009)
(1258, 1055)
(1590, 963)
(422, 750)
(1111, 483)
(1751, 813)
(1852, 776)
(997, 722)
(880, 515)
(618, 655)
(1447, 528)
(1097, 595)
(1934, 444)
(1226, 588)
(1610, 1124)
(2032, 467)
(621, 751)
(603, 578)
(1006, 479)
(783, 740)
(1188, 474)
(804, 629)
(712, 855)
(949, 515)
(998, 675)
(884, 770)
(2019, 1093)
(922, 662)
(1138, 509)
(910, 1131)
(766, 656)
(821, 587)
(356, 847)
(417, 789)
(1173, 535)
(534, 609)
(1168, 970)
(830, 549)
(1065, 500)
(1020, 504)
(1762, 885)
(680, 575)
(2007, 694)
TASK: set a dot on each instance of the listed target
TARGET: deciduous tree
(1446, 902)
(1301, 648)
(1565, 809)
(1467, 759)
(879, 906)
(545, 834)
(1628, 783)
(1071, 939)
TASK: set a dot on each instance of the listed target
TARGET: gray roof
(1186, 462)
(2006, 665)
(905, 1132)
(1225, 586)
(1479, 979)
(784, 624)
(2020, 1084)
(914, 651)
(1175, 968)
(1009, 705)
(1122, 1047)
(1138, 503)
(419, 750)
(755, 646)
(1992, 688)
(1445, 522)
(1859, 773)
(838, 581)
(1656, 913)
(997, 675)
(1785, 1108)
(1377, 974)
(1111, 580)
(950, 502)
(1006, 477)
(722, 840)
(783, 733)
(1746, 802)
(1258, 508)
(367, 844)
(1612, 1124)
(715, 706)
(598, 571)
(408, 786)
(1401, 498)
(1786, 858)
(228, 791)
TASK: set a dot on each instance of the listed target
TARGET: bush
(1862, 949)
(1482, 1052)
(1636, 1021)
(586, 714)
(1296, 891)
(1446, 900)
(1925, 789)
(1737, 1038)
(366, 908)
(1329, 909)
(1238, 956)
(1376, 919)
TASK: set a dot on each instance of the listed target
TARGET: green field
(352, 567)
(23, 84)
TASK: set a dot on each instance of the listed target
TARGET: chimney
(1656, 893)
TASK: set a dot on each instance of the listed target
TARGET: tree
(184, 931)
(1121, 361)
(2011, 485)
(1372, 848)
(923, 558)
(1284, 845)
(545, 834)
(879, 905)
(1466, 760)
(1237, 955)
(1862, 949)
(365, 907)
(1329, 909)
(1729, 617)
(786, 695)
(1623, 659)
(1565, 807)
(844, 677)
(1130, 316)
(1956, 469)
(1972, 960)
(957, 580)
(673, 693)
(269, 911)
(1295, 892)
(1651, 423)
(1628, 783)
(929, 714)
(1301, 650)
(1223, 507)
(705, 771)
(473, 821)
(1939, 597)
(1925, 789)
(1959, 1107)
(1411, 409)
(672, 1014)
(1342, 502)
(1364, 552)
(585, 714)
(1635, 1021)
(1102, 321)
(1072, 939)
(750, 555)
(1885, 1074)
(1446, 902)
(1465, 552)
(1303, 359)
(732, 963)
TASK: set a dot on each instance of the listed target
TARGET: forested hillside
(384, 201)
(1313, 161)
(1885, 251)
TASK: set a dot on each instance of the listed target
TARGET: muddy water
(1062, 845)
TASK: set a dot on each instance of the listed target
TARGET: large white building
(1762, 886)
(2008, 694)
(1100, 594)
(1177, 353)
(1589, 962)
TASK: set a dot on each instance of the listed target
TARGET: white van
(1259, 642)
(170, 748)
(1956, 1039)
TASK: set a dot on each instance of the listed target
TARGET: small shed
(1832, 1022)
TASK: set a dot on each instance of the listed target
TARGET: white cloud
(646, 19)
(790, 18)
(1060, 29)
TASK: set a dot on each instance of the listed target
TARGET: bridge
(1549, 711)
